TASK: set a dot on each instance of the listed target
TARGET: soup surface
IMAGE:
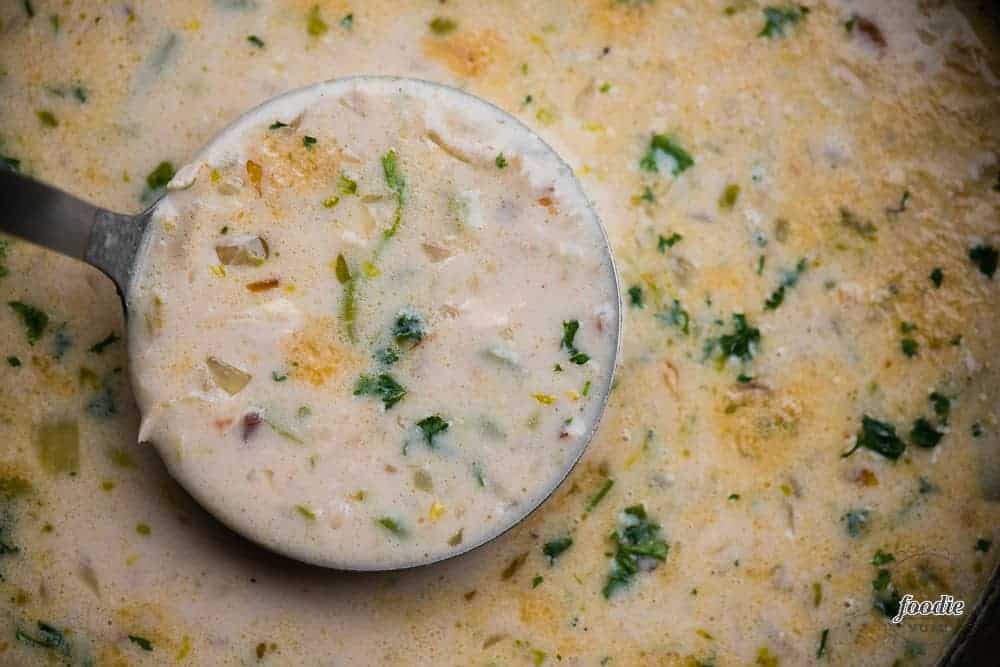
(373, 323)
(831, 176)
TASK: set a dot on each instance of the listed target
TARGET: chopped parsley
(278, 376)
(341, 270)
(347, 185)
(48, 638)
(382, 386)
(34, 320)
(501, 161)
(778, 20)
(742, 342)
(160, 176)
(277, 125)
(392, 525)
(823, 637)
(856, 521)
(47, 118)
(308, 141)
(142, 642)
(99, 346)
(668, 242)
(555, 548)
(387, 356)
(599, 496)
(635, 296)
(638, 546)
(788, 280)
(942, 406)
(256, 41)
(13, 361)
(396, 183)
(676, 317)
(885, 597)
(983, 545)
(347, 22)
(909, 346)
(880, 437)
(937, 277)
(985, 257)
(923, 434)
(664, 152)
(570, 327)
(409, 328)
(432, 426)
(881, 558)
(442, 26)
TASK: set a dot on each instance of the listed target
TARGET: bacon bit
(256, 174)
(251, 422)
(868, 28)
(263, 285)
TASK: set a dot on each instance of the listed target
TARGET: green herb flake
(347, 22)
(34, 320)
(823, 637)
(742, 343)
(727, 200)
(937, 277)
(48, 638)
(278, 376)
(537, 580)
(160, 176)
(397, 183)
(880, 437)
(392, 525)
(442, 26)
(143, 529)
(408, 328)
(923, 434)
(885, 597)
(431, 427)
(909, 346)
(663, 243)
(676, 317)
(856, 522)
(635, 296)
(778, 20)
(13, 361)
(256, 41)
(277, 125)
(101, 345)
(382, 386)
(985, 258)
(315, 25)
(501, 161)
(664, 151)
(47, 118)
(555, 548)
(29, 8)
(570, 329)
(515, 564)
(346, 185)
(341, 270)
(596, 499)
(11, 162)
(983, 545)
(305, 512)
(308, 141)
(142, 642)
(636, 537)
(882, 558)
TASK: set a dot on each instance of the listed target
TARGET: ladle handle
(51, 218)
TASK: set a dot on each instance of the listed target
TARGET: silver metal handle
(51, 218)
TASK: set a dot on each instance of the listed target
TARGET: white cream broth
(373, 323)
(771, 535)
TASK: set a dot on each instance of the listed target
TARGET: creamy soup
(831, 176)
(373, 324)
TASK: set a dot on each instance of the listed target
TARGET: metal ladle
(112, 242)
